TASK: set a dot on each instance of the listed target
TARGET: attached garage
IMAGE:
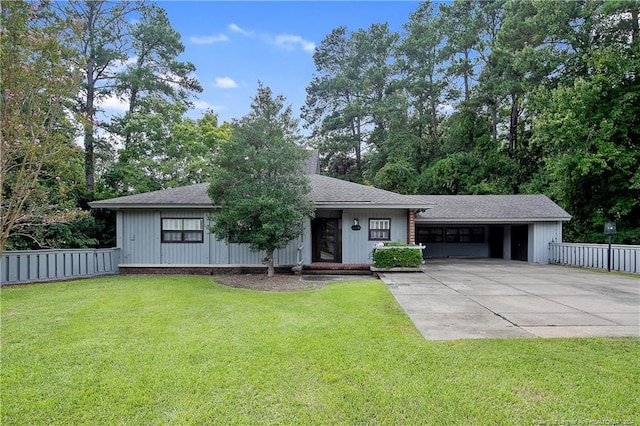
(517, 227)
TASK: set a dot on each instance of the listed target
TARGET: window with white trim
(183, 230)
(379, 229)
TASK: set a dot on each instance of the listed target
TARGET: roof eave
(318, 205)
(491, 220)
(368, 205)
(118, 206)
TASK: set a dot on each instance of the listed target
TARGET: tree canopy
(470, 97)
(258, 185)
(490, 97)
(59, 62)
(36, 139)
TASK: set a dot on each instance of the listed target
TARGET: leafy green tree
(154, 74)
(55, 214)
(461, 24)
(347, 105)
(167, 153)
(541, 97)
(590, 131)
(37, 83)
(395, 165)
(140, 166)
(421, 65)
(258, 183)
(415, 95)
(102, 46)
(196, 143)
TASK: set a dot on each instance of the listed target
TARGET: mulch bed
(263, 283)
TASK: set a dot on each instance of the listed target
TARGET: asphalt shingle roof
(184, 196)
(490, 207)
(325, 191)
(330, 191)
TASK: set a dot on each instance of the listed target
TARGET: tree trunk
(88, 157)
(132, 105)
(270, 269)
(635, 27)
(433, 104)
(88, 131)
(513, 125)
(90, 100)
(493, 107)
(466, 76)
(358, 141)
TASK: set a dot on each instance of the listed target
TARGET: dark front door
(519, 242)
(326, 240)
(496, 242)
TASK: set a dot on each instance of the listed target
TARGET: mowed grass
(184, 350)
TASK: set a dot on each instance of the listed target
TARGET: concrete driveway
(486, 298)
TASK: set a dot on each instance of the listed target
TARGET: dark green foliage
(397, 257)
(257, 179)
(591, 129)
(164, 153)
(494, 97)
(350, 102)
(472, 97)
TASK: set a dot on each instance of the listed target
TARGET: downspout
(298, 268)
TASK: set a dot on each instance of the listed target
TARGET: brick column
(411, 227)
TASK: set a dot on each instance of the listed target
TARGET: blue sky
(236, 44)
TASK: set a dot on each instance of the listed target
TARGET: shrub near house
(397, 255)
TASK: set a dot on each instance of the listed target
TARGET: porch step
(336, 269)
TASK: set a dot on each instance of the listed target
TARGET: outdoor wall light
(356, 225)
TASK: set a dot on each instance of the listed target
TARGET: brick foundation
(199, 269)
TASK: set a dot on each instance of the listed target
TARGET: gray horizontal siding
(141, 243)
(356, 246)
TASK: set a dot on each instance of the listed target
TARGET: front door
(326, 240)
(496, 242)
(519, 242)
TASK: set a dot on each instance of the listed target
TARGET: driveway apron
(487, 298)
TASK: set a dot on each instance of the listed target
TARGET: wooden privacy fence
(26, 266)
(624, 258)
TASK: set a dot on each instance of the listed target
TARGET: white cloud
(290, 42)
(121, 66)
(446, 109)
(236, 29)
(208, 39)
(204, 105)
(114, 104)
(225, 83)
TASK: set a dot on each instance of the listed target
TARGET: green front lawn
(184, 350)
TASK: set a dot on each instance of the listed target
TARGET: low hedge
(400, 257)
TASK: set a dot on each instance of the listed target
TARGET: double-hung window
(182, 230)
(379, 229)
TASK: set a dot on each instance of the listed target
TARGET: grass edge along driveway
(184, 350)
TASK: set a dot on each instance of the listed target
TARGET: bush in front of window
(397, 257)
